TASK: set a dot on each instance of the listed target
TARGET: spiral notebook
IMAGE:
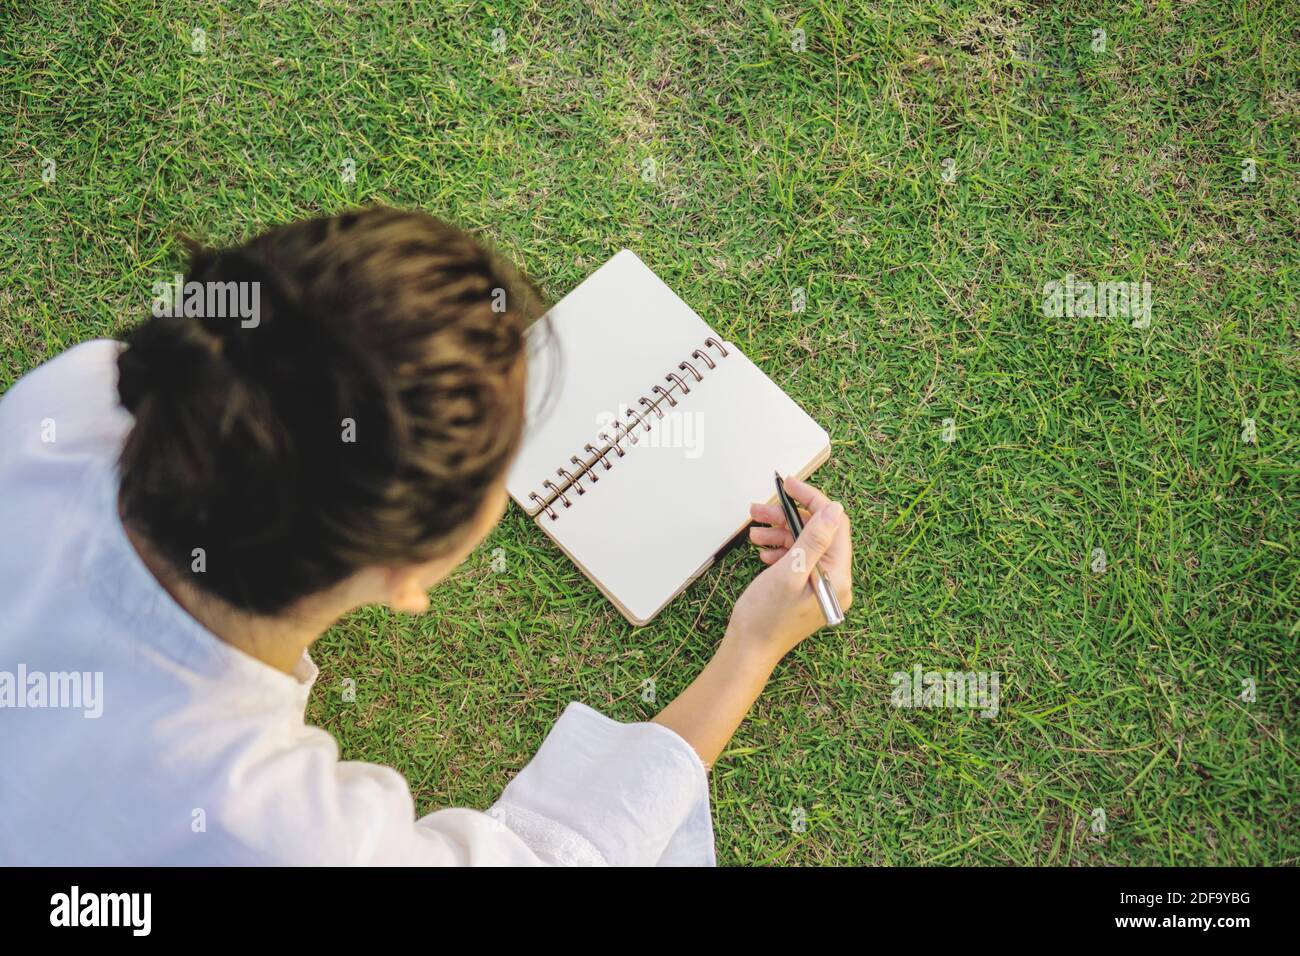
(657, 436)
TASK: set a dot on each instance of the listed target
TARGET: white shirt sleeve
(599, 791)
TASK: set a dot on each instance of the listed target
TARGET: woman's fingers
(776, 540)
(806, 495)
(838, 555)
(771, 537)
(773, 515)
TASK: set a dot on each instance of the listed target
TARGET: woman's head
(363, 417)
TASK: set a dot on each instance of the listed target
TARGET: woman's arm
(776, 612)
(708, 712)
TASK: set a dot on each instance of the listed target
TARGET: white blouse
(130, 734)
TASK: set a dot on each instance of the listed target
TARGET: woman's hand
(778, 609)
(775, 613)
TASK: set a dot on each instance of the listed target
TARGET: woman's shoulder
(68, 404)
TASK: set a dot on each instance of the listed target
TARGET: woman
(185, 515)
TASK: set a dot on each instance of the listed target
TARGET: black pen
(821, 584)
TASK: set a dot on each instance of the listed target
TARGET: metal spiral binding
(584, 467)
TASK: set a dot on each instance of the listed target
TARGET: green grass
(777, 169)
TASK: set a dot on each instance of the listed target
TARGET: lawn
(914, 175)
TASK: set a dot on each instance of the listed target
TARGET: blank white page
(618, 334)
(651, 523)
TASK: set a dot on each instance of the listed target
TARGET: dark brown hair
(398, 323)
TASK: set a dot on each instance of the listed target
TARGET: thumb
(815, 540)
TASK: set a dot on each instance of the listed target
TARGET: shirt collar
(115, 573)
